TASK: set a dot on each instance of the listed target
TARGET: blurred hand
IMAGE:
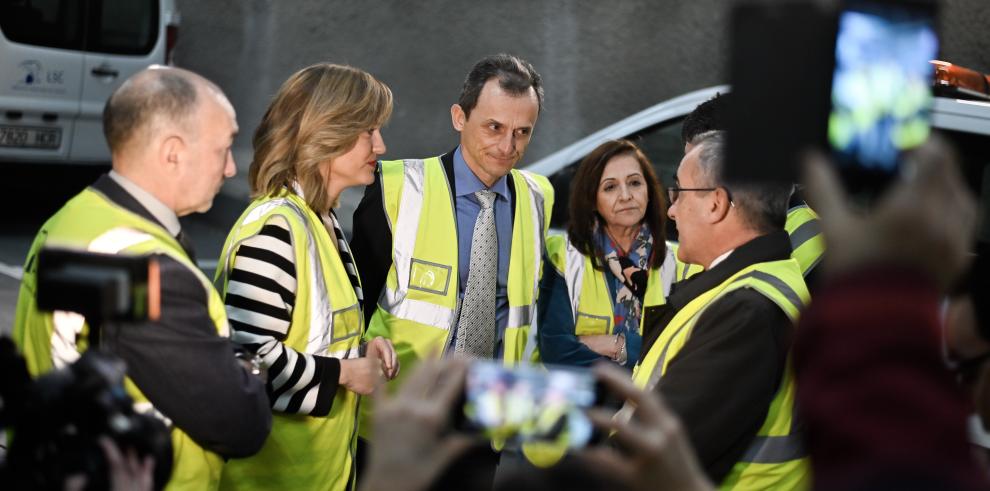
(925, 221)
(412, 443)
(128, 472)
(125, 473)
(382, 349)
(361, 375)
(660, 456)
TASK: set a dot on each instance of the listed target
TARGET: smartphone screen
(881, 89)
(529, 404)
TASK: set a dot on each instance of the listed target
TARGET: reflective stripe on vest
(807, 241)
(403, 245)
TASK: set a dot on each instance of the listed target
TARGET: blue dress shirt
(467, 209)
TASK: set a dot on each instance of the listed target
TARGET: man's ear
(457, 117)
(171, 153)
(721, 205)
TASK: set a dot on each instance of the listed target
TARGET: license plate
(30, 137)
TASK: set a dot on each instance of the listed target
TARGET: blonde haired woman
(289, 283)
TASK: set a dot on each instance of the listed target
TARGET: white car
(61, 60)
(657, 130)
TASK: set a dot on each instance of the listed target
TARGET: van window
(49, 23)
(125, 27)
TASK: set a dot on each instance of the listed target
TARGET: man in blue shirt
(402, 228)
(495, 115)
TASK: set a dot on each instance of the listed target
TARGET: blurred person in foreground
(612, 264)
(718, 350)
(414, 444)
(170, 132)
(289, 282)
(882, 410)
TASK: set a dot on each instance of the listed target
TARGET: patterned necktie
(476, 326)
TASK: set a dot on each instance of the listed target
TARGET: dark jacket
(722, 381)
(187, 371)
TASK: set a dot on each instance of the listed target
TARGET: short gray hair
(763, 205)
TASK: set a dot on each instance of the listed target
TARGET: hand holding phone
(881, 90)
(854, 83)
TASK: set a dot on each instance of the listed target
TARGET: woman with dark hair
(612, 263)
(288, 280)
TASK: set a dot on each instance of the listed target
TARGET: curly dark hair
(584, 195)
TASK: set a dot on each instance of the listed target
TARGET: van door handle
(105, 71)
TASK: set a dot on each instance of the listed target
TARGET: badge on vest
(429, 277)
(587, 324)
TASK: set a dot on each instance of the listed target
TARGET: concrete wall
(601, 61)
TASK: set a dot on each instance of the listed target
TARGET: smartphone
(529, 403)
(881, 94)
(854, 82)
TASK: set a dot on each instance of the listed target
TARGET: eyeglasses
(674, 191)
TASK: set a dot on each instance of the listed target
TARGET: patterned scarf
(630, 270)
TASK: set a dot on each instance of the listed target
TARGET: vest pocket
(346, 332)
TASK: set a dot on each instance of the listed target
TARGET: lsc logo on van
(35, 78)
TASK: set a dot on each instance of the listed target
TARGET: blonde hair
(317, 115)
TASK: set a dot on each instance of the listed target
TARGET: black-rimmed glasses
(674, 191)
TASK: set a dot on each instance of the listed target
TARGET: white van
(657, 130)
(59, 62)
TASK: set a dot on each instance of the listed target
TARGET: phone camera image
(881, 88)
(529, 404)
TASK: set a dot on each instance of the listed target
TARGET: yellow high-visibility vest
(775, 459)
(91, 221)
(807, 241)
(304, 452)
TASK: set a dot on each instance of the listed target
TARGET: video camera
(65, 412)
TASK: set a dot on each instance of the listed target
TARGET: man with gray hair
(170, 133)
(717, 351)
